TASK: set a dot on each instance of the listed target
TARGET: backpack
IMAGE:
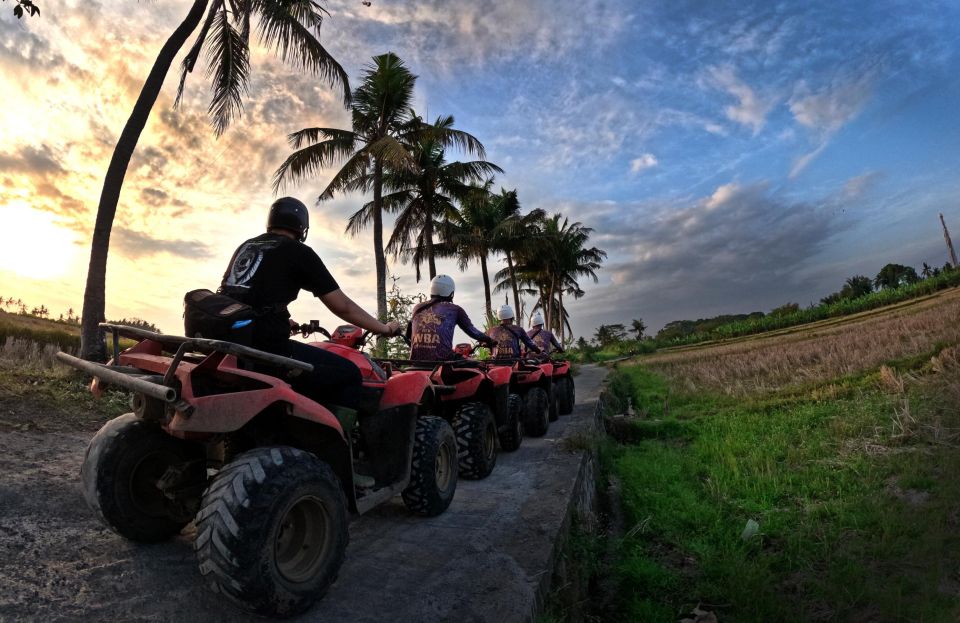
(217, 317)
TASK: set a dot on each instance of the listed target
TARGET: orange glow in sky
(34, 247)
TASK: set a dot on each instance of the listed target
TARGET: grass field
(39, 393)
(803, 476)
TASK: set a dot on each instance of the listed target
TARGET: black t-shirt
(267, 273)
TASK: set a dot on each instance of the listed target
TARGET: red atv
(493, 389)
(475, 401)
(530, 390)
(218, 436)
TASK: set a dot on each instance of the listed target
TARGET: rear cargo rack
(177, 343)
(161, 388)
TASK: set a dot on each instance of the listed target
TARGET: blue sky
(731, 156)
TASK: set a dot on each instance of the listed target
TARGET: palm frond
(351, 176)
(229, 69)
(304, 162)
(190, 60)
(392, 153)
(314, 135)
(359, 220)
(288, 26)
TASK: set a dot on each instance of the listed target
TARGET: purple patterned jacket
(508, 339)
(546, 340)
(431, 330)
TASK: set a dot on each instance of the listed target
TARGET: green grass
(855, 523)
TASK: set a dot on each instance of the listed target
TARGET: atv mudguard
(406, 388)
(205, 409)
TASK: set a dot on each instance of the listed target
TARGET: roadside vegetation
(799, 477)
(37, 393)
(895, 284)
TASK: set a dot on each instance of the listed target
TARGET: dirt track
(479, 561)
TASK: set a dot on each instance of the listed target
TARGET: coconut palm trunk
(486, 285)
(380, 257)
(560, 312)
(428, 240)
(92, 345)
(513, 282)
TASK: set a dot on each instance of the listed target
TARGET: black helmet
(289, 213)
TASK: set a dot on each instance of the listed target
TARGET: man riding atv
(430, 331)
(267, 273)
(542, 337)
(509, 336)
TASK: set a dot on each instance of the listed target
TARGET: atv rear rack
(159, 387)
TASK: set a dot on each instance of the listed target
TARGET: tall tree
(470, 233)
(895, 275)
(517, 232)
(637, 325)
(381, 121)
(290, 27)
(428, 193)
(557, 262)
(857, 286)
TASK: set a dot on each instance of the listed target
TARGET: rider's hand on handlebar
(392, 328)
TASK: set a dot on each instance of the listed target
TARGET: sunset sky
(731, 156)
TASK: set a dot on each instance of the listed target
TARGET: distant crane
(946, 236)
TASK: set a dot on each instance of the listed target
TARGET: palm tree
(517, 232)
(471, 233)
(381, 119)
(637, 325)
(554, 264)
(291, 27)
(428, 193)
(927, 271)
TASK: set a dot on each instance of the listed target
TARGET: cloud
(447, 35)
(826, 111)
(154, 197)
(858, 186)
(801, 162)
(31, 160)
(751, 110)
(645, 161)
(135, 244)
(738, 249)
(833, 106)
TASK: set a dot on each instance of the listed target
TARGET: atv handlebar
(313, 326)
(307, 328)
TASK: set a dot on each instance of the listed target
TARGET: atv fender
(405, 388)
(228, 412)
(499, 375)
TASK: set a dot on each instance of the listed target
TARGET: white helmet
(505, 313)
(537, 319)
(441, 285)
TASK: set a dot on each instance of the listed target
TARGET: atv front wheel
(511, 438)
(476, 431)
(138, 479)
(535, 407)
(433, 471)
(272, 531)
